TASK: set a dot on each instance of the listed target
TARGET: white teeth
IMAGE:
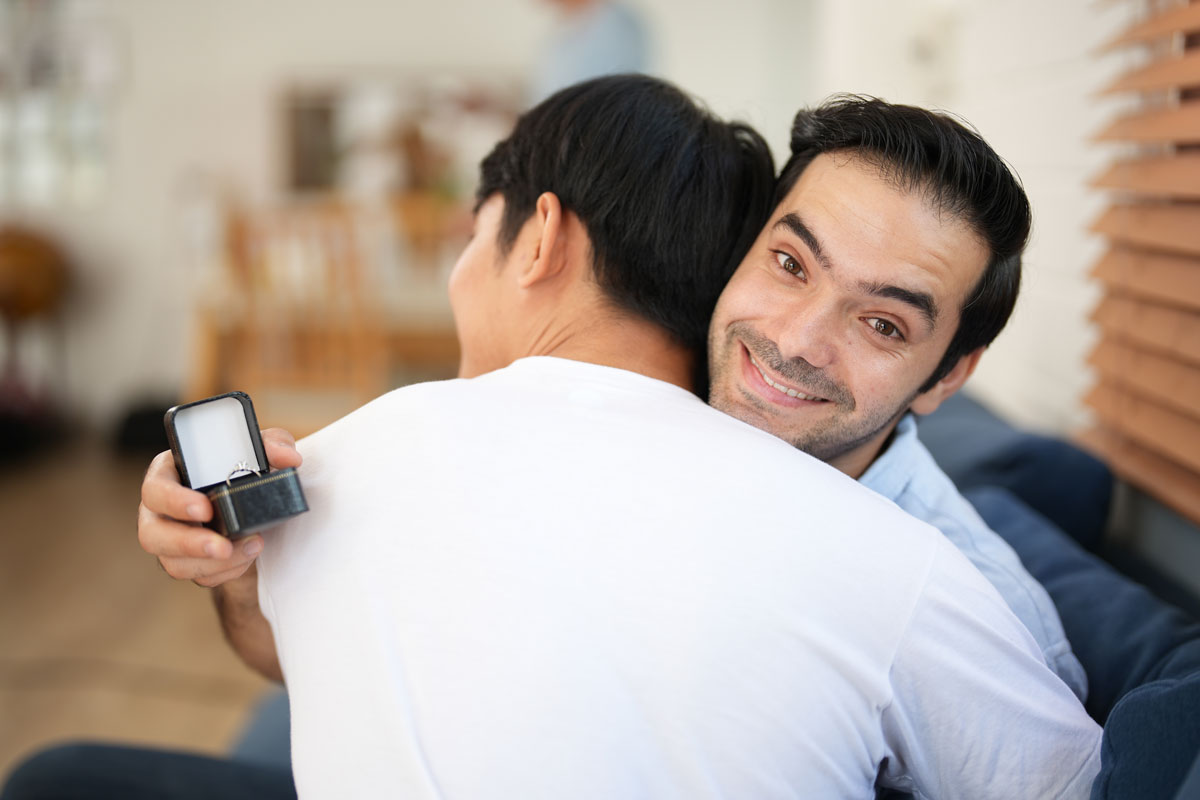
(780, 387)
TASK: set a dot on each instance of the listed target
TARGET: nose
(811, 332)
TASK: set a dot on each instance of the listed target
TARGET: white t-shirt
(562, 580)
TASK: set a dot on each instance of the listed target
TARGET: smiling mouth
(779, 387)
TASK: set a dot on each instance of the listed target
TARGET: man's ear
(927, 402)
(550, 255)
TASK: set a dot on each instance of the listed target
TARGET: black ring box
(218, 450)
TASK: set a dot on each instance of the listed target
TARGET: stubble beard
(827, 439)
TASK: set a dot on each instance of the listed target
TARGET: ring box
(218, 450)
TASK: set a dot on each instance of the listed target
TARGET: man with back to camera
(904, 731)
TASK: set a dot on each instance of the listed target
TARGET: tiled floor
(96, 641)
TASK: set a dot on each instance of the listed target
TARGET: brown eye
(789, 264)
(885, 328)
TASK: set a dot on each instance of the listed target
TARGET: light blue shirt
(906, 474)
(605, 39)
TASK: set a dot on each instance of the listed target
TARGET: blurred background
(268, 195)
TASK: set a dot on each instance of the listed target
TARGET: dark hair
(671, 196)
(953, 168)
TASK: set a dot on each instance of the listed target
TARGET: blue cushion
(1190, 789)
(976, 448)
(1151, 742)
(1122, 633)
(1141, 655)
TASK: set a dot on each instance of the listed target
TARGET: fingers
(211, 572)
(281, 448)
(213, 581)
(162, 493)
(170, 513)
(165, 537)
(194, 553)
(166, 505)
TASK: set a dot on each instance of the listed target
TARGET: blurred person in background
(590, 38)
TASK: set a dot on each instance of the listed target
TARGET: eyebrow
(796, 225)
(923, 302)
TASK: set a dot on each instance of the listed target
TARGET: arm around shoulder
(975, 711)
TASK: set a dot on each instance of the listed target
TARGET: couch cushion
(1151, 742)
(1063, 483)
(1123, 634)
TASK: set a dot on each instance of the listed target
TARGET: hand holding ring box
(218, 450)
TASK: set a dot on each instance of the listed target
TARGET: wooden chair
(296, 324)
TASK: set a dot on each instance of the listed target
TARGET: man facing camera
(891, 260)
(568, 576)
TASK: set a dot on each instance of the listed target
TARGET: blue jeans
(77, 771)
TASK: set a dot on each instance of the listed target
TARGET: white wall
(752, 60)
(905, 51)
(1030, 75)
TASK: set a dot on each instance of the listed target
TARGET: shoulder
(907, 474)
(967, 671)
(398, 416)
(931, 496)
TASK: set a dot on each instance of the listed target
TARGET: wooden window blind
(1146, 399)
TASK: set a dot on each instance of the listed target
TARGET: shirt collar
(894, 468)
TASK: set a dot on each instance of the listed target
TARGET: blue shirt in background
(605, 39)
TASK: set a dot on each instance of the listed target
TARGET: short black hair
(953, 168)
(672, 197)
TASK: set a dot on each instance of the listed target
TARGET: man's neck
(615, 339)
